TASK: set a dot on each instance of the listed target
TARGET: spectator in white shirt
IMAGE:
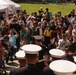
(62, 43)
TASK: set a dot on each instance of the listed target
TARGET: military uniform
(31, 51)
(28, 70)
(48, 71)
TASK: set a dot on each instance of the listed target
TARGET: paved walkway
(11, 66)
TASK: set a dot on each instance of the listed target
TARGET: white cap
(31, 48)
(63, 67)
(57, 53)
(38, 37)
(20, 54)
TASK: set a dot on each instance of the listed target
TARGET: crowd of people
(56, 31)
(44, 1)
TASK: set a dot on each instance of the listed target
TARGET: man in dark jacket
(48, 71)
(31, 59)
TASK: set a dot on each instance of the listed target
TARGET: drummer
(31, 51)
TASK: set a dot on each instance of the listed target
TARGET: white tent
(7, 4)
(12, 6)
(2, 2)
(3, 8)
(17, 6)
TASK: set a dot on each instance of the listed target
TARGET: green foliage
(64, 8)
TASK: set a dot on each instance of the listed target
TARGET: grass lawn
(65, 8)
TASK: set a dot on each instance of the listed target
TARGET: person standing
(67, 55)
(12, 39)
(1, 55)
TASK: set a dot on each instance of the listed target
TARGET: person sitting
(62, 43)
(68, 56)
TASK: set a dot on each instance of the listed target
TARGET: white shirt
(63, 43)
(12, 39)
(74, 33)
